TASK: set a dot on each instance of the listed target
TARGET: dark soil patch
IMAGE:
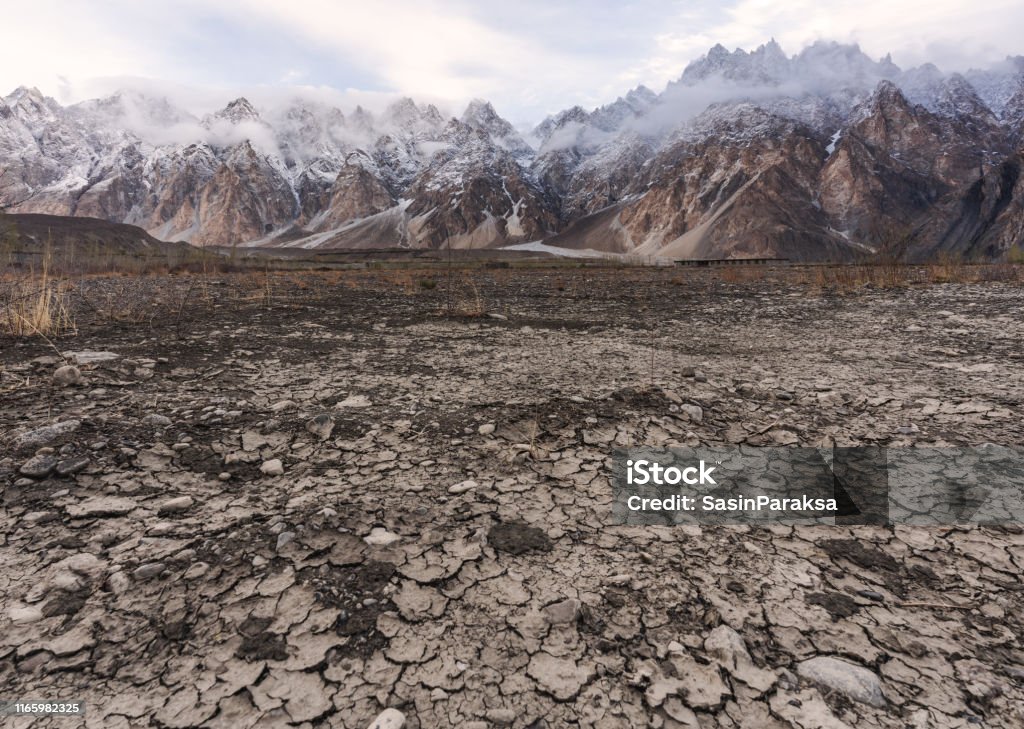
(516, 537)
(837, 604)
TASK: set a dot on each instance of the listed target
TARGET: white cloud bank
(530, 58)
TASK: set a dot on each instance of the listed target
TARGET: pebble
(71, 466)
(38, 466)
(177, 505)
(273, 467)
(149, 571)
(24, 615)
(784, 396)
(67, 376)
(281, 406)
(118, 583)
(462, 487)
(388, 719)
(355, 401)
(224, 476)
(321, 426)
(501, 716)
(562, 613)
(283, 539)
(486, 429)
(46, 434)
(856, 682)
(380, 537)
(195, 571)
(694, 412)
(90, 357)
(157, 420)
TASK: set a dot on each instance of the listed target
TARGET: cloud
(530, 58)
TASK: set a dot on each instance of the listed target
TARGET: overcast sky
(530, 57)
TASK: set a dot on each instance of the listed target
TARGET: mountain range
(824, 155)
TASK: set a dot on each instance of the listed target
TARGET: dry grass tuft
(36, 305)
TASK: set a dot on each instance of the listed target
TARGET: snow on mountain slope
(747, 152)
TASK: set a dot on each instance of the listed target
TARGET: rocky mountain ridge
(826, 154)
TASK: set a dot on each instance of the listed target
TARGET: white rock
(462, 487)
(24, 615)
(856, 682)
(486, 429)
(694, 412)
(46, 434)
(87, 357)
(355, 401)
(181, 503)
(273, 467)
(380, 537)
(388, 719)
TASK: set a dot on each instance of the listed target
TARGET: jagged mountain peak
(480, 113)
(30, 103)
(781, 135)
(236, 112)
(481, 116)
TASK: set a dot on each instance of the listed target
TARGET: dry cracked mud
(304, 508)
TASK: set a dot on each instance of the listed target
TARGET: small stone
(355, 401)
(24, 615)
(195, 571)
(694, 412)
(157, 420)
(462, 487)
(38, 466)
(67, 376)
(689, 372)
(224, 476)
(118, 583)
(856, 682)
(784, 396)
(71, 466)
(273, 467)
(149, 571)
(90, 357)
(486, 429)
(388, 719)
(321, 426)
(177, 505)
(143, 373)
(562, 613)
(46, 434)
(281, 406)
(284, 539)
(501, 716)
(380, 537)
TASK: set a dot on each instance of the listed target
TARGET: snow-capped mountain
(824, 154)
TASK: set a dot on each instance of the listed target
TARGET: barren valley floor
(186, 543)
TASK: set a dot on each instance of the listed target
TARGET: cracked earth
(335, 506)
